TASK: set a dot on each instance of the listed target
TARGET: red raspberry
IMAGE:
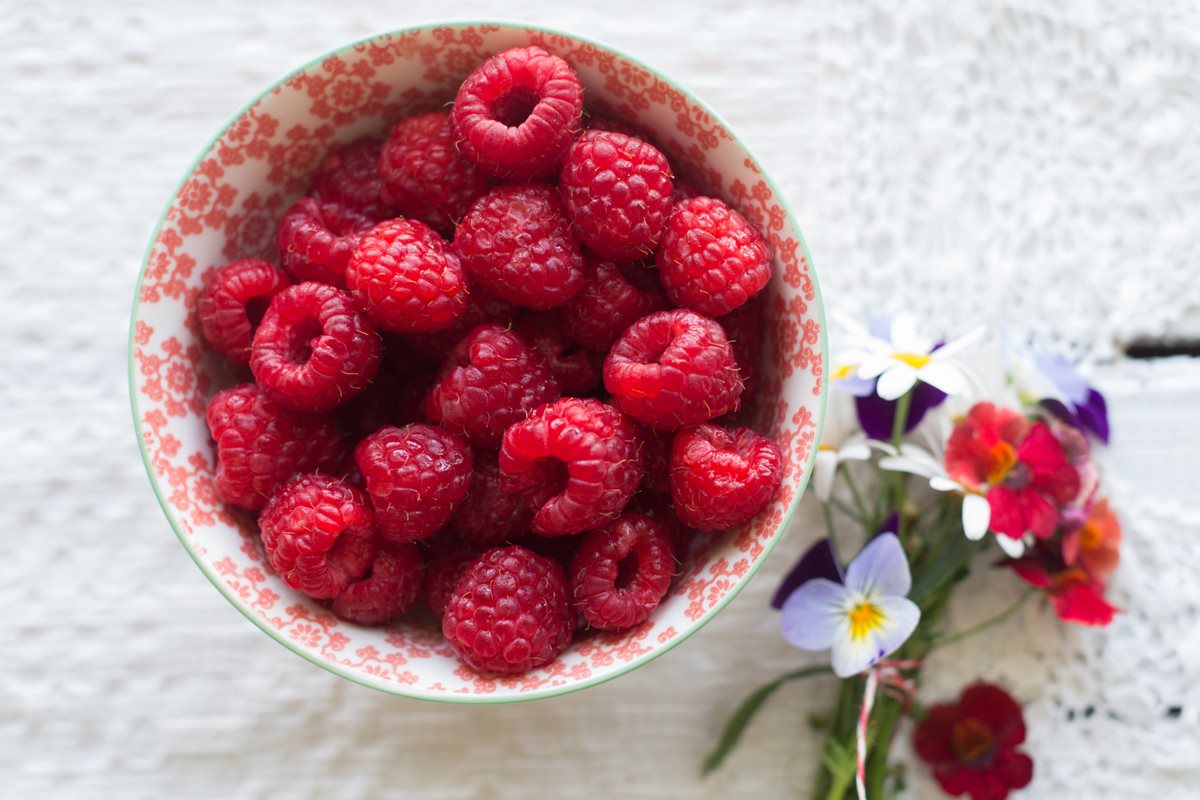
(446, 565)
(721, 478)
(482, 307)
(391, 399)
(488, 382)
(516, 240)
(349, 176)
(560, 548)
(673, 368)
(656, 458)
(658, 507)
(621, 573)
(233, 302)
(314, 350)
(491, 515)
(417, 477)
(317, 238)
(390, 588)
(744, 328)
(613, 298)
(617, 191)
(578, 461)
(407, 278)
(424, 174)
(260, 445)
(319, 534)
(711, 259)
(517, 113)
(578, 372)
(510, 612)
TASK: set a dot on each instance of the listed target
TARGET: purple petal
(877, 415)
(890, 524)
(818, 562)
(1062, 412)
(1061, 371)
(880, 568)
(1094, 415)
(812, 615)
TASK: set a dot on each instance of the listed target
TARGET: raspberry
(577, 461)
(314, 350)
(488, 382)
(491, 515)
(656, 458)
(673, 368)
(417, 477)
(711, 259)
(721, 478)
(447, 564)
(617, 191)
(482, 307)
(516, 240)
(658, 507)
(621, 573)
(389, 400)
(317, 238)
(613, 298)
(510, 612)
(577, 371)
(406, 278)
(319, 534)
(350, 177)
(390, 588)
(517, 113)
(744, 327)
(260, 445)
(424, 174)
(233, 302)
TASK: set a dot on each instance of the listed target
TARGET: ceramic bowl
(226, 207)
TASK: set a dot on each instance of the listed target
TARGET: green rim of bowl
(396, 689)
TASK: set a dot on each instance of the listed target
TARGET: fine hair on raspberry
(622, 572)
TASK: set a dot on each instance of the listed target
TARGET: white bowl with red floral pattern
(226, 207)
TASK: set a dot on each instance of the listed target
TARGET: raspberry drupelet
(578, 371)
(350, 176)
(614, 296)
(617, 192)
(260, 445)
(722, 478)
(518, 112)
(516, 241)
(319, 534)
(425, 176)
(622, 572)
(406, 278)
(510, 612)
(317, 237)
(390, 587)
(489, 381)
(577, 461)
(314, 349)
(673, 368)
(490, 515)
(233, 302)
(711, 259)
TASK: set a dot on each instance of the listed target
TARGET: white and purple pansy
(861, 617)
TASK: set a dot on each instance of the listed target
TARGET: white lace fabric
(1023, 164)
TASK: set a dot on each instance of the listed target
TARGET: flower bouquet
(937, 458)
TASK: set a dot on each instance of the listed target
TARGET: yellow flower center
(914, 360)
(826, 447)
(970, 739)
(865, 617)
(1001, 458)
(1090, 538)
(842, 372)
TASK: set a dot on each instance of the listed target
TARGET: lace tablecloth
(998, 163)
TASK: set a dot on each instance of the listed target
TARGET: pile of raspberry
(494, 372)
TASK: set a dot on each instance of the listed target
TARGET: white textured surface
(969, 164)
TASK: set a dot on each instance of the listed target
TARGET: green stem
(858, 499)
(847, 510)
(899, 479)
(840, 785)
(828, 511)
(991, 622)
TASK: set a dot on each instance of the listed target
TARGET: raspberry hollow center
(627, 571)
(303, 341)
(515, 106)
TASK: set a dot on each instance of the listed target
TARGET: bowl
(226, 207)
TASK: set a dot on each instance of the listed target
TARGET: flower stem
(991, 622)
(858, 500)
(899, 479)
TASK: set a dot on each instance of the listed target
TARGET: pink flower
(1075, 595)
(1095, 544)
(1023, 468)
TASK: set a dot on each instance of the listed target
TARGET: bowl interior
(227, 207)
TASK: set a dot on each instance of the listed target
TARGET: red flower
(1023, 467)
(1076, 595)
(971, 745)
(1094, 545)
